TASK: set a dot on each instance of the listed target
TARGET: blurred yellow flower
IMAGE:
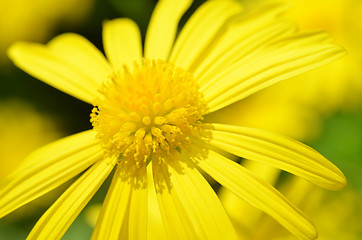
(336, 216)
(337, 85)
(298, 106)
(148, 122)
(335, 222)
(34, 20)
(22, 130)
(91, 214)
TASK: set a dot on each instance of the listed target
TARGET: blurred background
(322, 108)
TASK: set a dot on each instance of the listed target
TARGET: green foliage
(341, 143)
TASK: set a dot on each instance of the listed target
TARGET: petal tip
(337, 183)
(340, 183)
(14, 50)
(340, 180)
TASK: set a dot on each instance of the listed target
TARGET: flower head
(148, 122)
(153, 109)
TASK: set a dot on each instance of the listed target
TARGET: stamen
(148, 113)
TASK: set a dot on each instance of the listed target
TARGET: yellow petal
(241, 38)
(189, 206)
(273, 63)
(57, 219)
(114, 209)
(155, 230)
(137, 220)
(122, 42)
(298, 190)
(82, 55)
(200, 30)
(236, 208)
(69, 63)
(125, 206)
(48, 168)
(176, 222)
(256, 192)
(162, 28)
(280, 152)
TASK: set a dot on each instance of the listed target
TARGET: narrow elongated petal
(69, 63)
(280, 152)
(57, 219)
(234, 205)
(298, 190)
(271, 64)
(48, 168)
(188, 204)
(242, 38)
(155, 229)
(122, 42)
(83, 56)
(256, 192)
(201, 29)
(137, 220)
(124, 211)
(162, 28)
(114, 209)
(176, 222)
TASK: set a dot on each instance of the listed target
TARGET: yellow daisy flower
(148, 122)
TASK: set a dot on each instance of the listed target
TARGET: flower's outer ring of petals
(256, 192)
(280, 152)
(125, 207)
(57, 219)
(242, 38)
(47, 168)
(122, 42)
(163, 26)
(188, 204)
(201, 29)
(276, 62)
(69, 63)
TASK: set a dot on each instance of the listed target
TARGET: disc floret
(148, 112)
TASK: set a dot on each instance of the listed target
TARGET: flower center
(149, 112)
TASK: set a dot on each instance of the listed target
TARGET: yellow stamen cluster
(149, 112)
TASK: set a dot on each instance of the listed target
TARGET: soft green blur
(322, 108)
